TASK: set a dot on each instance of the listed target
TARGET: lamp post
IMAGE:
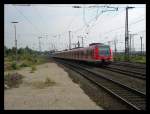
(141, 44)
(127, 34)
(69, 40)
(14, 22)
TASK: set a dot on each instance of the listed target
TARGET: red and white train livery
(96, 52)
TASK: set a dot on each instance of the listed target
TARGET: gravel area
(61, 95)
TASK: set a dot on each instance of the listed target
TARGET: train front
(104, 53)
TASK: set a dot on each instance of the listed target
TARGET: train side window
(87, 52)
(79, 54)
(71, 54)
(90, 52)
(75, 54)
(84, 53)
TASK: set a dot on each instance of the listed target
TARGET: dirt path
(32, 94)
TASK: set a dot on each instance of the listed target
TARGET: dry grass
(43, 84)
(12, 80)
(33, 68)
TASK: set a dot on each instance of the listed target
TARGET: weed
(43, 84)
(12, 80)
(49, 82)
(14, 66)
(24, 64)
(33, 68)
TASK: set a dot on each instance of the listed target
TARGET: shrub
(43, 84)
(49, 82)
(24, 65)
(14, 66)
(33, 68)
(13, 80)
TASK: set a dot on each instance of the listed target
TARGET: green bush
(24, 65)
(14, 66)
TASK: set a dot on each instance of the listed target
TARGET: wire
(84, 20)
(123, 26)
(36, 10)
(137, 21)
(20, 12)
(71, 21)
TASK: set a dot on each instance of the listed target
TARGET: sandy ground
(64, 94)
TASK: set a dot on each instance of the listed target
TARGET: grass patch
(15, 66)
(27, 61)
(138, 59)
(133, 58)
(43, 84)
(12, 80)
(24, 64)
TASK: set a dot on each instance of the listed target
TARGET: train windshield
(104, 51)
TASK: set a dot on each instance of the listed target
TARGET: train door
(90, 54)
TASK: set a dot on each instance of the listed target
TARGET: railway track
(137, 73)
(130, 64)
(130, 81)
(130, 97)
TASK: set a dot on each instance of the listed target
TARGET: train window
(91, 52)
(81, 54)
(104, 50)
(74, 54)
(71, 54)
(87, 52)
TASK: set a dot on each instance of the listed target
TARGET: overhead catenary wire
(122, 27)
(39, 15)
(20, 12)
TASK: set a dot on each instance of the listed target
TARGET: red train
(95, 53)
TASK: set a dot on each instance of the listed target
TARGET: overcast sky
(53, 21)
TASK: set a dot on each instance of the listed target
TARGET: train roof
(96, 44)
(90, 45)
